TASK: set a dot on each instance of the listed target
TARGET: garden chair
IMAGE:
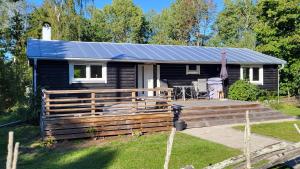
(200, 87)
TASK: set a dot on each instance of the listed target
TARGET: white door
(145, 79)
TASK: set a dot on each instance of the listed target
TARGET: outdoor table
(183, 89)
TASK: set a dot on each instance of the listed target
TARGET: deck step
(249, 105)
(204, 116)
(215, 122)
(189, 113)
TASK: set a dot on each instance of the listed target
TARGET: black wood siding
(175, 74)
(270, 77)
(55, 75)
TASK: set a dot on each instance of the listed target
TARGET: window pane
(96, 71)
(79, 71)
(255, 74)
(192, 67)
(246, 73)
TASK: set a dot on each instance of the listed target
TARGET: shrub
(243, 90)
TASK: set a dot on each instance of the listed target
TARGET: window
(87, 72)
(253, 74)
(192, 69)
(96, 71)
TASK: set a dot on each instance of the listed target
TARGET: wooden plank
(108, 133)
(106, 98)
(104, 90)
(93, 105)
(111, 117)
(72, 125)
(107, 128)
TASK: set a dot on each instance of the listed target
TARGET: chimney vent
(46, 31)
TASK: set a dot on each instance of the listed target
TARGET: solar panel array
(104, 51)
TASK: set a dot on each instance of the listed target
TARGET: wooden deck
(69, 114)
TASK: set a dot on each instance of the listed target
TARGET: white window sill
(257, 82)
(193, 73)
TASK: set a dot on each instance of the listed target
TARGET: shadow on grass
(78, 159)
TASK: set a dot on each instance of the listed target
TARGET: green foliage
(243, 90)
(234, 25)
(278, 34)
(266, 95)
(185, 22)
(15, 74)
(124, 24)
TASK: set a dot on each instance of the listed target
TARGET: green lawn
(286, 108)
(137, 152)
(281, 130)
(8, 117)
(290, 110)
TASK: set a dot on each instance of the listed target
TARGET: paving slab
(230, 137)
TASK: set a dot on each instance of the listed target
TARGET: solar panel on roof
(104, 51)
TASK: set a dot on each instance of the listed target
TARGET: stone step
(234, 119)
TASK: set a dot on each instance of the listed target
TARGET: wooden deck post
(134, 103)
(169, 100)
(47, 103)
(93, 107)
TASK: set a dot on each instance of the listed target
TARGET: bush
(266, 95)
(243, 90)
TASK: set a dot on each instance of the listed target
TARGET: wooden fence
(68, 114)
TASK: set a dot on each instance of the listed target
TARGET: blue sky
(146, 5)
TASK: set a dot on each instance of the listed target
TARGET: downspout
(278, 81)
(34, 76)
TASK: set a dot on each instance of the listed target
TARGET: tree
(234, 25)
(124, 21)
(278, 34)
(184, 22)
(14, 70)
(66, 19)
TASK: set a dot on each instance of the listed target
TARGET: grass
(288, 109)
(136, 152)
(8, 117)
(291, 110)
(143, 152)
(281, 130)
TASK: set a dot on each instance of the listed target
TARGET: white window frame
(261, 74)
(193, 72)
(88, 78)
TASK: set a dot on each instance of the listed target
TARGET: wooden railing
(70, 114)
(56, 103)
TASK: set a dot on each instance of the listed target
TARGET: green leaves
(243, 90)
(278, 34)
(234, 25)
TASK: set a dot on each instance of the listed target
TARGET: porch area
(71, 114)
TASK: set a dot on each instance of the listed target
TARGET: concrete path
(230, 137)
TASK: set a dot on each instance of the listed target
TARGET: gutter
(278, 82)
(154, 61)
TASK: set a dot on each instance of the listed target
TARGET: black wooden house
(89, 65)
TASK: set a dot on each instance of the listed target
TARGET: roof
(148, 53)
